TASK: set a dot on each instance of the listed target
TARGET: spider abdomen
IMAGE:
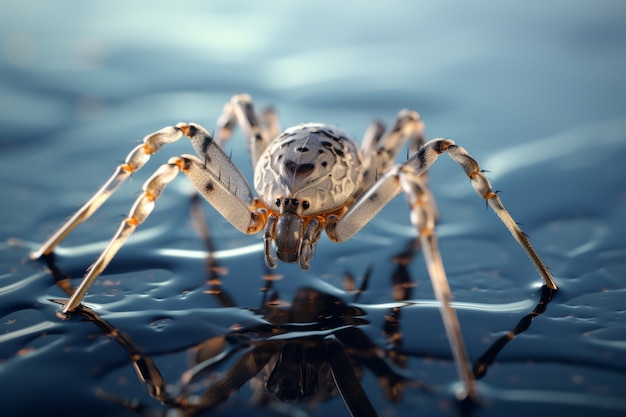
(314, 164)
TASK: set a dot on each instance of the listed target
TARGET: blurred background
(534, 90)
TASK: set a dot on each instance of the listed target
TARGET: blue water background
(534, 90)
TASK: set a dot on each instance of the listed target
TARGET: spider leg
(258, 130)
(388, 186)
(217, 178)
(423, 218)
(381, 148)
(269, 124)
(225, 188)
(427, 155)
(138, 213)
(365, 207)
(409, 178)
(239, 108)
(136, 159)
(372, 136)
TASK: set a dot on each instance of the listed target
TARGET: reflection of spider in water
(310, 178)
(303, 352)
(299, 352)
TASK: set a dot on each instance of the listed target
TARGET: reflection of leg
(244, 369)
(401, 282)
(214, 271)
(349, 284)
(402, 290)
(484, 362)
(210, 352)
(346, 381)
(143, 364)
(62, 280)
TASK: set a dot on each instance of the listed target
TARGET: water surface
(534, 91)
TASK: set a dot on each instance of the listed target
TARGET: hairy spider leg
(408, 178)
(367, 206)
(238, 109)
(423, 218)
(258, 130)
(220, 183)
(136, 159)
(215, 169)
(483, 188)
(380, 147)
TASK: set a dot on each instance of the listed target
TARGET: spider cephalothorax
(310, 178)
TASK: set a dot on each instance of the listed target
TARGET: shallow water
(535, 92)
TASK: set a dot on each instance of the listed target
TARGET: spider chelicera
(310, 178)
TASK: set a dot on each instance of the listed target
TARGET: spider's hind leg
(381, 147)
(259, 130)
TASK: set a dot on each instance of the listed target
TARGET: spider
(310, 178)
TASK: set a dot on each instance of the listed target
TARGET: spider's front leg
(423, 215)
(407, 178)
(220, 183)
(135, 160)
(483, 188)
(388, 186)
(259, 130)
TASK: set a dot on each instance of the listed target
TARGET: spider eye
(277, 202)
(305, 205)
